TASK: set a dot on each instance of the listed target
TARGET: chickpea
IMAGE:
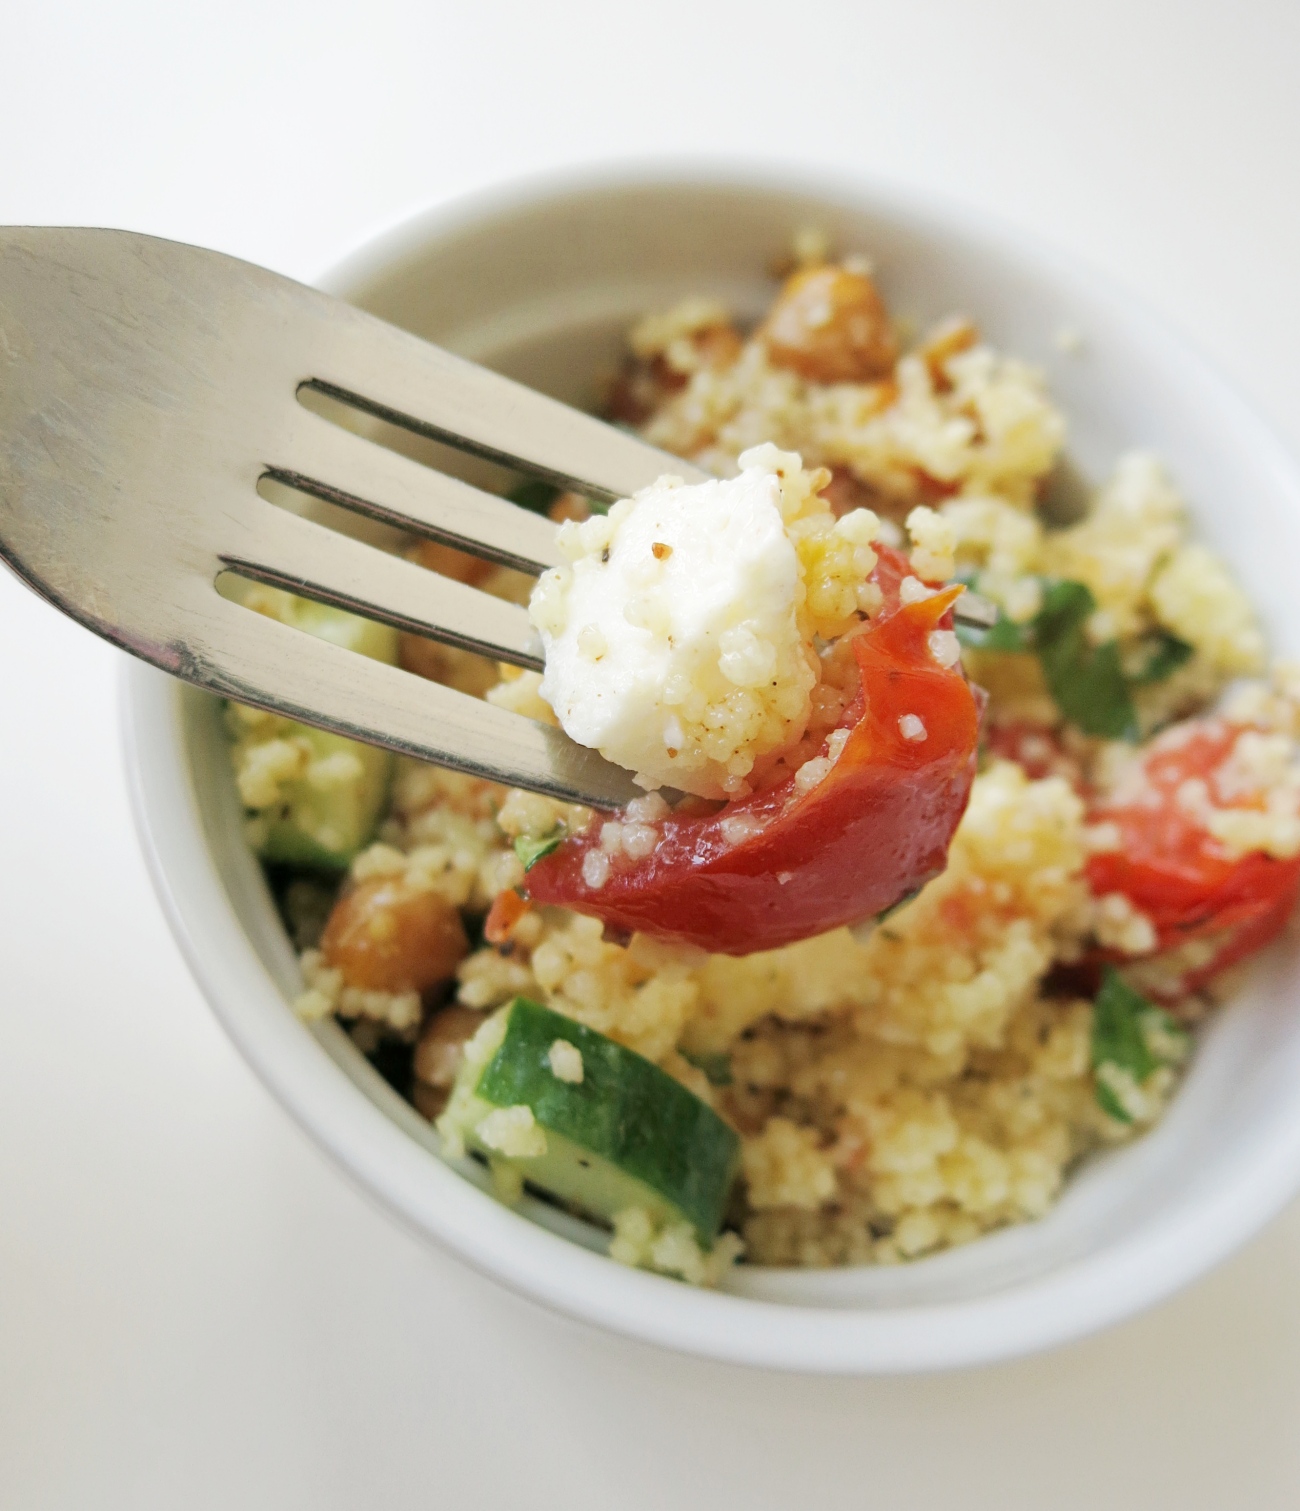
(385, 935)
(569, 506)
(438, 1054)
(448, 562)
(440, 663)
(718, 346)
(830, 326)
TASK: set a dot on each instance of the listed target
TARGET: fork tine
(287, 551)
(395, 376)
(320, 458)
(257, 660)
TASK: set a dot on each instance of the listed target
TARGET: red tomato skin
(1036, 750)
(1173, 871)
(873, 831)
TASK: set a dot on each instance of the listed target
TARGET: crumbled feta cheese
(673, 641)
(681, 634)
(912, 728)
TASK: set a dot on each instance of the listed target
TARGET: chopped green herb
(538, 496)
(1162, 655)
(1109, 1103)
(1131, 1034)
(1003, 635)
(716, 1067)
(534, 494)
(530, 851)
(1086, 680)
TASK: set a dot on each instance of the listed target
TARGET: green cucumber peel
(626, 1134)
(324, 829)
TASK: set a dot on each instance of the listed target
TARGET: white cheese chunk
(673, 642)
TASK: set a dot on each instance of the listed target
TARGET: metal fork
(146, 390)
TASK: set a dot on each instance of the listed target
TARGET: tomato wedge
(1171, 868)
(785, 864)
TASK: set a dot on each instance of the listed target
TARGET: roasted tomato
(1172, 868)
(1037, 751)
(798, 859)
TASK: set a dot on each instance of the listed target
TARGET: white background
(194, 1310)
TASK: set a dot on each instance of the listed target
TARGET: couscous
(1116, 827)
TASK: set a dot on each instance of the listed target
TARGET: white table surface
(195, 1311)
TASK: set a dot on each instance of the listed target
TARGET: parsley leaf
(530, 851)
(1131, 1035)
(1003, 635)
(1086, 680)
(1162, 654)
(538, 496)
(1089, 683)
(534, 494)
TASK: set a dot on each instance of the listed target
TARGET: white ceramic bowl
(542, 282)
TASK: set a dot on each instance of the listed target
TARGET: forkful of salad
(763, 703)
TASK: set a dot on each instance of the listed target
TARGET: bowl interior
(544, 289)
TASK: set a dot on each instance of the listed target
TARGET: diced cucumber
(625, 1135)
(322, 817)
(378, 641)
(323, 827)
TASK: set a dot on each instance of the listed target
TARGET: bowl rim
(385, 1162)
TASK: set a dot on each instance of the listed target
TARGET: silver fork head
(145, 389)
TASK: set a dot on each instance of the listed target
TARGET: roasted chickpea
(440, 663)
(448, 562)
(386, 936)
(830, 326)
(438, 1054)
(718, 346)
(569, 506)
